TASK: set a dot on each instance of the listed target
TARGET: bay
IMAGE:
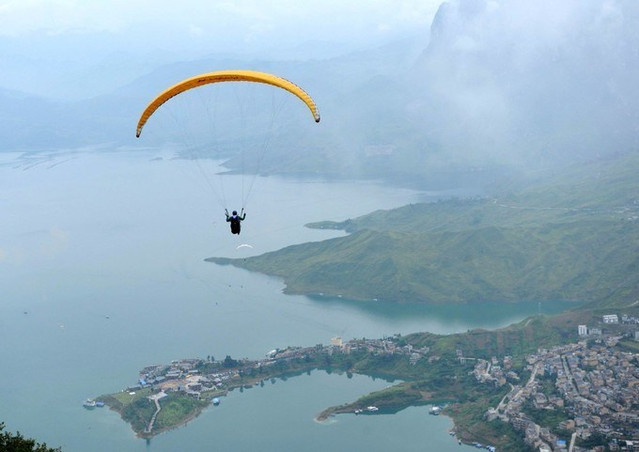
(102, 272)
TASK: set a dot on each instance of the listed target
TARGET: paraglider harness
(235, 220)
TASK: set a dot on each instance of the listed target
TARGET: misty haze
(448, 259)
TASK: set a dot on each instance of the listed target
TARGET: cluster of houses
(385, 346)
(493, 371)
(183, 375)
(596, 386)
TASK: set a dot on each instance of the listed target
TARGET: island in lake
(528, 385)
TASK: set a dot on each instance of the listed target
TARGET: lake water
(102, 272)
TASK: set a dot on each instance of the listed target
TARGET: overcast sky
(189, 24)
(567, 67)
(72, 41)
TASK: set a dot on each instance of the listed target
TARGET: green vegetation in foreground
(10, 442)
(571, 239)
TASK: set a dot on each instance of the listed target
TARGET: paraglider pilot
(235, 220)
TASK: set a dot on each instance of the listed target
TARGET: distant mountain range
(492, 88)
(572, 238)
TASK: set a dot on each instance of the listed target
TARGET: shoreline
(467, 372)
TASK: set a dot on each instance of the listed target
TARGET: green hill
(574, 237)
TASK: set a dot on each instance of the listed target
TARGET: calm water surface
(102, 272)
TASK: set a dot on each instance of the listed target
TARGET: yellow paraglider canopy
(226, 76)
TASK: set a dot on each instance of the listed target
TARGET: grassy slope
(572, 238)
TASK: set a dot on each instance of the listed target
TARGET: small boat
(372, 409)
(89, 404)
(216, 401)
(435, 411)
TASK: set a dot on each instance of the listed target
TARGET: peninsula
(571, 377)
(573, 237)
(524, 386)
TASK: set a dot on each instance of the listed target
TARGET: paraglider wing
(226, 76)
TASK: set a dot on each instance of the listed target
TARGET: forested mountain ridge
(570, 238)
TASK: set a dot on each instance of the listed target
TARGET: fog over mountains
(497, 83)
(537, 81)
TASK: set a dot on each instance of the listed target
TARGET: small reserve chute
(226, 76)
